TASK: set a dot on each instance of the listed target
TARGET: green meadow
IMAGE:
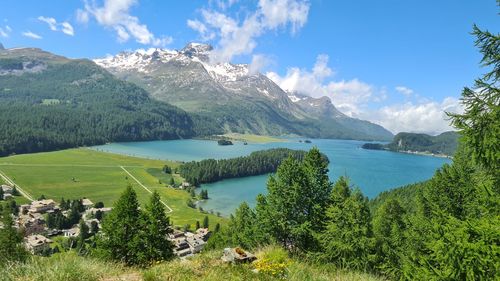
(77, 173)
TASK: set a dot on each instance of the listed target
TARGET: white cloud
(224, 4)
(404, 90)
(202, 29)
(31, 35)
(67, 28)
(50, 21)
(64, 27)
(115, 14)
(349, 96)
(238, 37)
(428, 117)
(5, 31)
(358, 99)
(259, 61)
(82, 16)
(282, 12)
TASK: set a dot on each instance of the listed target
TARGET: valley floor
(253, 138)
(99, 176)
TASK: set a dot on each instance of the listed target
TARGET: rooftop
(36, 239)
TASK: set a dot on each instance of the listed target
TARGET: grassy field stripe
(67, 165)
(147, 189)
(11, 182)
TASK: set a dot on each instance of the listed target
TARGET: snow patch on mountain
(141, 60)
(234, 77)
(226, 71)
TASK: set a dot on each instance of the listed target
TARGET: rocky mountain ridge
(241, 100)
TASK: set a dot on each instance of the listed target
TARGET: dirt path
(12, 183)
(147, 189)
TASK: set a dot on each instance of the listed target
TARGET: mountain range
(237, 98)
(52, 102)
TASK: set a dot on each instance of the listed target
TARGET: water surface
(373, 171)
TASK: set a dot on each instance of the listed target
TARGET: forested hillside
(49, 102)
(257, 163)
(445, 143)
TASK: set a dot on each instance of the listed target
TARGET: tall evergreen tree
(242, 227)
(205, 222)
(317, 193)
(480, 123)
(82, 236)
(121, 228)
(348, 240)
(389, 228)
(158, 247)
(286, 207)
(455, 235)
(11, 247)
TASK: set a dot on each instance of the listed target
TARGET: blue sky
(397, 63)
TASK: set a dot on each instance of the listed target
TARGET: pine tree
(347, 239)
(284, 212)
(389, 228)
(242, 228)
(13, 207)
(121, 229)
(197, 226)
(479, 125)
(74, 215)
(1, 193)
(62, 204)
(15, 192)
(11, 248)
(158, 246)
(84, 234)
(205, 222)
(319, 187)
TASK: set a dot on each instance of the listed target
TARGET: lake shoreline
(373, 172)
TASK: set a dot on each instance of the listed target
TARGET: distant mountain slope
(234, 97)
(50, 102)
(445, 143)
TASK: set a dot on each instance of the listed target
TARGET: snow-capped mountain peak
(143, 59)
(197, 50)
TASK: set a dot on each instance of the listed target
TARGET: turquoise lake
(371, 170)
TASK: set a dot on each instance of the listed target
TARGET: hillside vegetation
(206, 266)
(49, 102)
(444, 144)
(257, 163)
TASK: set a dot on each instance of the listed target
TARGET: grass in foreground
(206, 266)
(77, 173)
